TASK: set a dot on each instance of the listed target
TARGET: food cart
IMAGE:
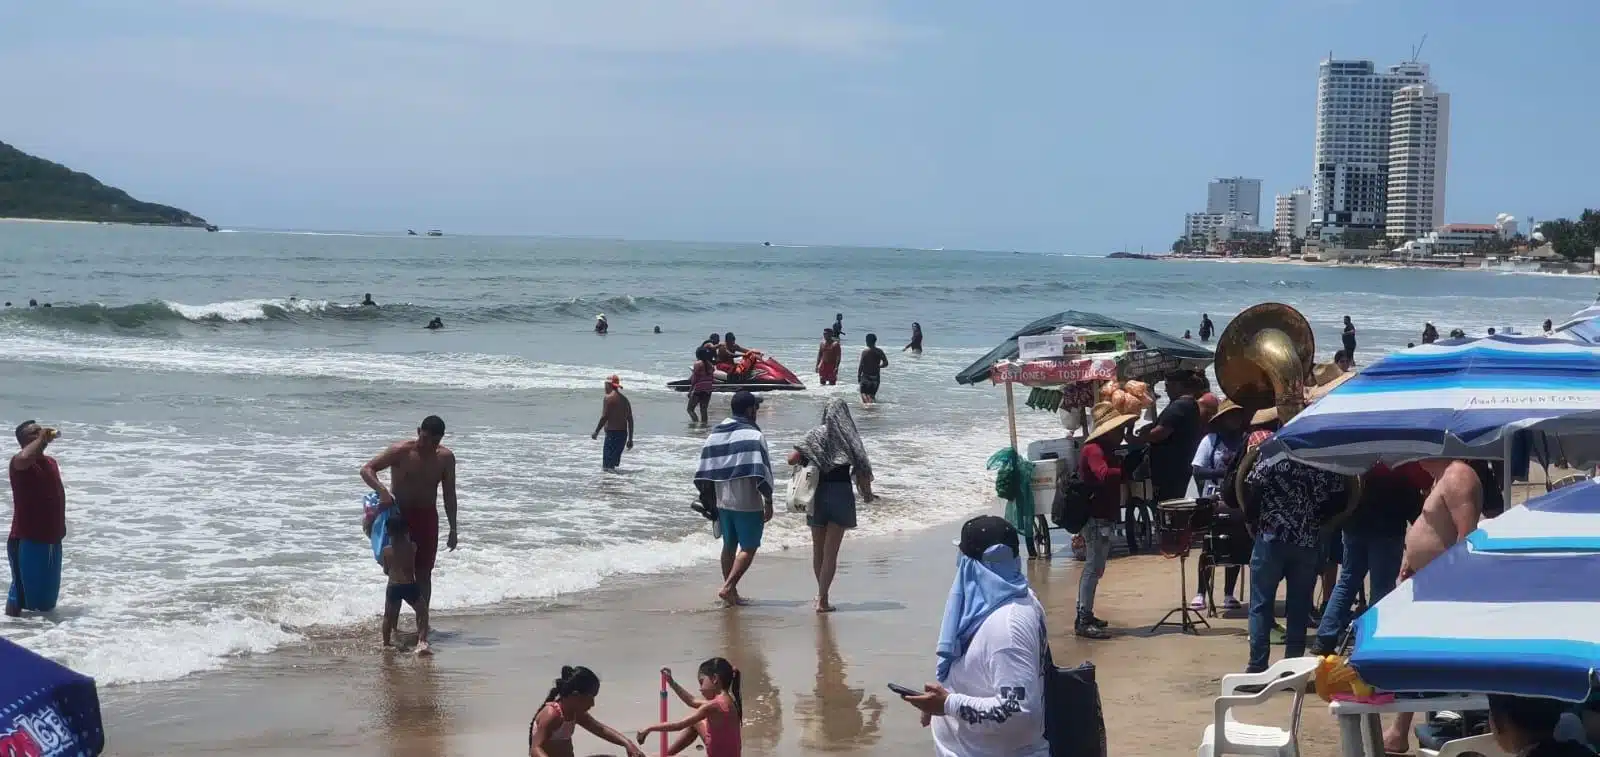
(1066, 361)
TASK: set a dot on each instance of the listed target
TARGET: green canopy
(1150, 338)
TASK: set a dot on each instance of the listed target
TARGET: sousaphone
(1265, 359)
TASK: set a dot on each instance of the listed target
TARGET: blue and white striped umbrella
(1512, 609)
(1582, 326)
(1457, 398)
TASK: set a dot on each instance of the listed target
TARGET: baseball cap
(614, 380)
(985, 531)
(744, 402)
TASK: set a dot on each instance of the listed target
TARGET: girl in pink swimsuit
(717, 716)
(568, 705)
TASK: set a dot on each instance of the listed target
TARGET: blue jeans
(1097, 551)
(1272, 563)
(1378, 556)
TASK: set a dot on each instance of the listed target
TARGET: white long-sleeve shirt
(996, 702)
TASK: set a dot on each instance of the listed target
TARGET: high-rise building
(1351, 161)
(1235, 195)
(1290, 217)
(1419, 151)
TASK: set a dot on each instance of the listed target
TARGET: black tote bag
(1074, 724)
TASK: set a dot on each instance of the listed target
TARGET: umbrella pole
(1505, 485)
(1011, 414)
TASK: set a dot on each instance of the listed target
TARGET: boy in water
(400, 564)
(870, 372)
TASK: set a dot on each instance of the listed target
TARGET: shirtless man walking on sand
(1451, 511)
(417, 470)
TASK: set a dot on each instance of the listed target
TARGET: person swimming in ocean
(915, 347)
(600, 324)
(435, 324)
(367, 302)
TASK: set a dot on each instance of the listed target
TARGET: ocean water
(218, 394)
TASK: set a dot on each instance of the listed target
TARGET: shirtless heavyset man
(1451, 511)
(417, 470)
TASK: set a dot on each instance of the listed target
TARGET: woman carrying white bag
(837, 458)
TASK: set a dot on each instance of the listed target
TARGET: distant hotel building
(1235, 195)
(1353, 155)
(1419, 151)
(1291, 215)
(1233, 206)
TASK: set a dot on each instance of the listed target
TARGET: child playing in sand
(400, 564)
(568, 705)
(716, 718)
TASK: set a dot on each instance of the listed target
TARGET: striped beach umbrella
(1461, 398)
(1512, 609)
(1582, 326)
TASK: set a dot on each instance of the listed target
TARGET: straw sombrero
(1106, 420)
(1325, 386)
(1227, 406)
(1264, 416)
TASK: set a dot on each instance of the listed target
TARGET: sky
(1077, 127)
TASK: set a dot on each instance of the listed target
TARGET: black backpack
(1070, 510)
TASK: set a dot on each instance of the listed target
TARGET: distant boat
(411, 232)
(211, 227)
(766, 244)
(435, 233)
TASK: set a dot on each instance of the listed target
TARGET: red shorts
(828, 373)
(424, 525)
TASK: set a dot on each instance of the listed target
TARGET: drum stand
(1183, 611)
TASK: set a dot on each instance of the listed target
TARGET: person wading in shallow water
(418, 469)
(38, 522)
(616, 419)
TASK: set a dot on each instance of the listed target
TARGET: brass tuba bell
(1264, 356)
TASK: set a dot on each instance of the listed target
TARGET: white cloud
(625, 26)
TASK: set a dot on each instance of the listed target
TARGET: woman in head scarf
(835, 449)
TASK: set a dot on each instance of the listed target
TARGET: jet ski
(755, 372)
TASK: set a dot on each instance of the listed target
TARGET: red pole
(663, 713)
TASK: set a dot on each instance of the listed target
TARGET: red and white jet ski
(755, 372)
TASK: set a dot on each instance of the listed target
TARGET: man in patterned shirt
(1287, 504)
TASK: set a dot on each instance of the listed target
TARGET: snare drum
(1175, 525)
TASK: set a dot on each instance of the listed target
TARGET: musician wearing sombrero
(1218, 450)
(1099, 468)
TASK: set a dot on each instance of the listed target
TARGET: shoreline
(1378, 266)
(812, 682)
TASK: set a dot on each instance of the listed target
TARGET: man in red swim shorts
(417, 469)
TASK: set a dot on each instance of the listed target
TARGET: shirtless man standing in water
(417, 469)
(1451, 511)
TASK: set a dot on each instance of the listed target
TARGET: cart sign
(1055, 372)
(1042, 346)
(1146, 363)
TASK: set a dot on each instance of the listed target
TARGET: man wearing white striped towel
(735, 460)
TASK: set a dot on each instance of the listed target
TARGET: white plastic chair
(1227, 736)
(1482, 744)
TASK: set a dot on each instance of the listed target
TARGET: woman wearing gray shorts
(835, 449)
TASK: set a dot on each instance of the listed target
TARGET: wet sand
(811, 683)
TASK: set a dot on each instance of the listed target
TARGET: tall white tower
(1351, 160)
(1419, 151)
(1235, 195)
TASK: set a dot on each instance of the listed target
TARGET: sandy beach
(812, 683)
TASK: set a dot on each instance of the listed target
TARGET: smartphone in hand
(905, 691)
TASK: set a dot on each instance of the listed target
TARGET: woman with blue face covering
(989, 699)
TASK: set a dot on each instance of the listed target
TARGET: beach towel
(836, 443)
(978, 590)
(377, 518)
(735, 449)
